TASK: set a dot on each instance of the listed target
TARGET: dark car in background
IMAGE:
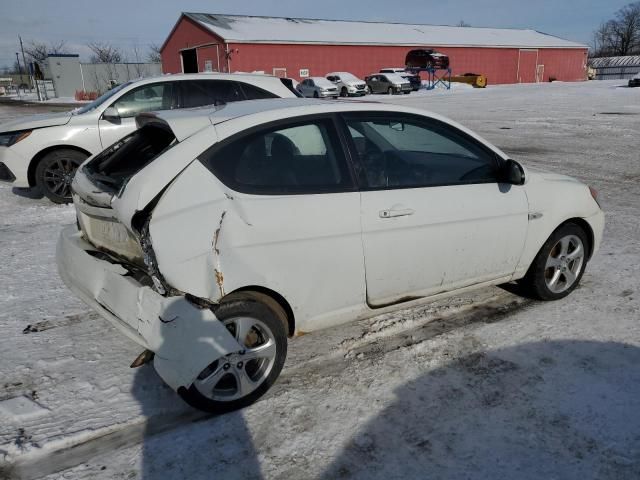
(635, 81)
(413, 78)
(426, 58)
(390, 83)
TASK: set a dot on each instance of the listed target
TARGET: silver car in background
(317, 87)
(390, 83)
(348, 84)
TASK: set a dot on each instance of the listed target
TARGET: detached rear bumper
(184, 337)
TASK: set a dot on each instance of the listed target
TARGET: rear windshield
(115, 165)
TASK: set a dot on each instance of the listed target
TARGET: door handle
(396, 212)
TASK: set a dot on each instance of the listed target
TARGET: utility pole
(19, 71)
(24, 62)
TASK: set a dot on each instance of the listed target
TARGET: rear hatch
(108, 192)
(106, 176)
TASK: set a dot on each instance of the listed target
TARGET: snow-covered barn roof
(255, 29)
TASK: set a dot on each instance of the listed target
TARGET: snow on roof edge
(264, 29)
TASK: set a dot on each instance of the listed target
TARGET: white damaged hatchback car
(209, 236)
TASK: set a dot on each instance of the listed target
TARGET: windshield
(100, 100)
(348, 77)
(395, 78)
(322, 82)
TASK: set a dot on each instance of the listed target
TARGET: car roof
(252, 77)
(294, 106)
(248, 113)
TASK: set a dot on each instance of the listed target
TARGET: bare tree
(38, 51)
(619, 36)
(154, 53)
(137, 66)
(462, 23)
(105, 53)
(626, 29)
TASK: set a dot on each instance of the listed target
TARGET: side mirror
(397, 126)
(111, 113)
(513, 173)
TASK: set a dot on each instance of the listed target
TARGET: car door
(145, 98)
(303, 87)
(374, 84)
(298, 207)
(435, 217)
(383, 83)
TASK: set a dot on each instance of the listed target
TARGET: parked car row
(212, 236)
(344, 84)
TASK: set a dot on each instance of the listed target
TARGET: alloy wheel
(564, 263)
(238, 374)
(58, 176)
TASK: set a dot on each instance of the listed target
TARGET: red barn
(299, 47)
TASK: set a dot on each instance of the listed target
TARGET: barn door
(527, 65)
(189, 58)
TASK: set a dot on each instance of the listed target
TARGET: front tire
(239, 379)
(344, 92)
(55, 172)
(557, 269)
(390, 91)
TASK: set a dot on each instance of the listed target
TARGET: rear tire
(237, 380)
(559, 265)
(55, 172)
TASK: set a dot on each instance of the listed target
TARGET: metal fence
(615, 68)
(617, 73)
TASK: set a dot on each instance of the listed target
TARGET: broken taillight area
(110, 235)
(149, 258)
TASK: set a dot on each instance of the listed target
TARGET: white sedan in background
(45, 150)
(348, 84)
(210, 236)
(318, 87)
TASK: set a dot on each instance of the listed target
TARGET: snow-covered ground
(486, 385)
(26, 96)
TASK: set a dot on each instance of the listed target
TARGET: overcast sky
(141, 22)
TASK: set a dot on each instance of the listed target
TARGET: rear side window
(302, 158)
(252, 92)
(198, 93)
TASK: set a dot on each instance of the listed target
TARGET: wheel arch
(584, 225)
(31, 171)
(279, 299)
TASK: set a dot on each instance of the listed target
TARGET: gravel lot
(486, 385)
